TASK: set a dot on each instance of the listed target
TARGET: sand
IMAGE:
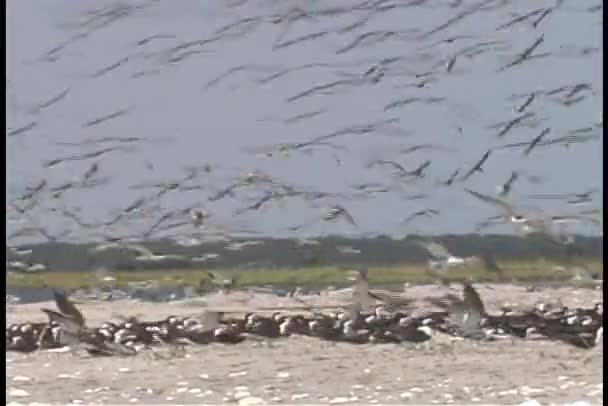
(302, 370)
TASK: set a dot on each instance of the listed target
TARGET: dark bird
(419, 171)
(107, 117)
(338, 211)
(536, 140)
(526, 103)
(402, 171)
(508, 126)
(425, 212)
(526, 54)
(66, 307)
(478, 166)
(409, 100)
(424, 146)
(22, 130)
(450, 180)
(520, 18)
(506, 187)
(71, 321)
(541, 17)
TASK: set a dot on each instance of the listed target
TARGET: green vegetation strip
(517, 271)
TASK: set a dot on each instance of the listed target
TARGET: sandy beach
(302, 370)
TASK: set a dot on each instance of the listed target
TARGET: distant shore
(268, 253)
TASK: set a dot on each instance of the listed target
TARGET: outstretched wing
(360, 293)
(67, 323)
(348, 217)
(506, 207)
(435, 250)
(391, 299)
(472, 299)
(444, 302)
(68, 308)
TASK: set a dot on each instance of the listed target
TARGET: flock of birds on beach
(394, 321)
(433, 60)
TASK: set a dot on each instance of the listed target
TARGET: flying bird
(441, 259)
(505, 188)
(478, 166)
(338, 211)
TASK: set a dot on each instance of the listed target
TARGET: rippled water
(189, 120)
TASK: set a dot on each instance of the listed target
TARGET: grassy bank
(309, 277)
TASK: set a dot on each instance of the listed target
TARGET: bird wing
(362, 274)
(394, 164)
(106, 247)
(390, 299)
(120, 349)
(472, 299)
(467, 314)
(68, 308)
(67, 323)
(469, 322)
(139, 250)
(346, 215)
(360, 292)
(436, 250)
(444, 302)
(492, 200)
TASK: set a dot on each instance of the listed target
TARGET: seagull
(419, 213)
(73, 332)
(528, 224)
(339, 211)
(346, 249)
(505, 188)
(441, 258)
(510, 213)
(466, 314)
(239, 246)
(473, 311)
(478, 167)
(24, 267)
(142, 253)
(391, 300)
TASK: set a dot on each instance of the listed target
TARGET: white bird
(23, 267)
(187, 241)
(238, 246)
(527, 223)
(345, 249)
(20, 252)
(142, 253)
(205, 257)
(441, 258)
(306, 242)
